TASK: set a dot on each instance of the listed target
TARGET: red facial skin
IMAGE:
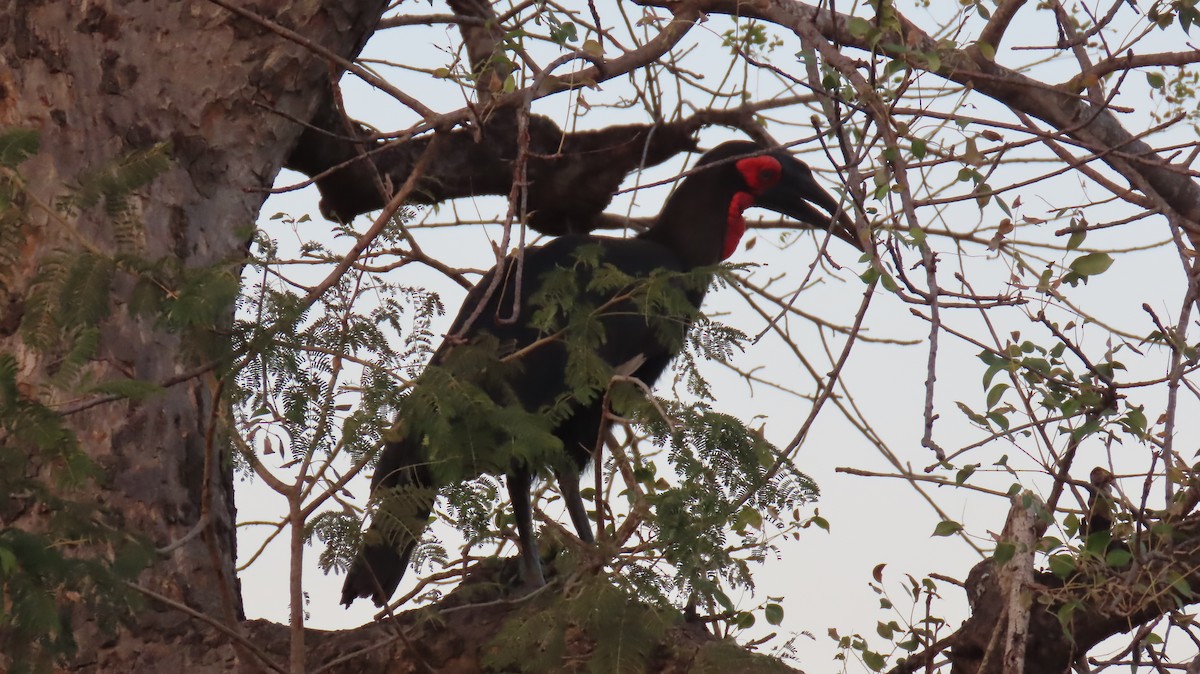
(760, 174)
(736, 226)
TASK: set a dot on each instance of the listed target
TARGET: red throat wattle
(761, 174)
(735, 226)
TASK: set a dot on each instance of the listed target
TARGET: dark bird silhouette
(1100, 510)
(534, 369)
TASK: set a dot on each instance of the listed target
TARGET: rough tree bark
(98, 81)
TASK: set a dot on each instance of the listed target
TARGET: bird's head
(776, 181)
(1101, 478)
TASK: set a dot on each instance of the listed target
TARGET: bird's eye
(760, 173)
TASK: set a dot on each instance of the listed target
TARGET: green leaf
(947, 528)
(1118, 558)
(874, 660)
(592, 48)
(1071, 524)
(1188, 14)
(1097, 543)
(773, 613)
(889, 283)
(971, 153)
(919, 148)
(1004, 551)
(972, 415)
(917, 234)
(1135, 421)
(1091, 264)
(748, 517)
(564, 33)
(996, 394)
(17, 145)
(1155, 80)
(1064, 614)
(8, 562)
(986, 50)
(964, 473)
(723, 599)
(1181, 585)
(859, 27)
(1045, 284)
(1076, 239)
(1062, 565)
(993, 369)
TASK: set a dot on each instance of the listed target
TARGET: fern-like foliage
(42, 573)
(338, 531)
(721, 657)
(623, 633)
(66, 303)
(322, 381)
(293, 349)
(112, 187)
(74, 556)
(16, 145)
(473, 508)
(72, 294)
(471, 420)
(724, 483)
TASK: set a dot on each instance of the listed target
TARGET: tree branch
(1096, 127)
(572, 176)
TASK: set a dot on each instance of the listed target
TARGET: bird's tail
(403, 493)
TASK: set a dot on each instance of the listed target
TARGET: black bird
(1100, 507)
(700, 225)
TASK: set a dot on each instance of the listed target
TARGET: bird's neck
(700, 223)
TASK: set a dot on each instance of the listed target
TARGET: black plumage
(530, 370)
(1100, 506)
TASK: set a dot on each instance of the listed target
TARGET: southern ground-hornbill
(532, 371)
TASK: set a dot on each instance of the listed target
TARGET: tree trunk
(97, 81)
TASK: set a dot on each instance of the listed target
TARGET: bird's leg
(568, 484)
(519, 482)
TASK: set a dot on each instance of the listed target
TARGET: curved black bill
(795, 194)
